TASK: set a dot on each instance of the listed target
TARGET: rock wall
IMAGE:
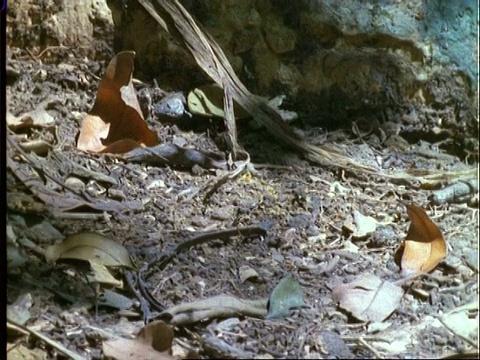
(412, 62)
(85, 26)
(337, 61)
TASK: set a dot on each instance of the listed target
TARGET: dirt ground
(307, 213)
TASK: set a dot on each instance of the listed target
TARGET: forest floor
(309, 216)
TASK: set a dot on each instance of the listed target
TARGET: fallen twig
(163, 259)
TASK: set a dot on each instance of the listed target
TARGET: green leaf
(207, 100)
(286, 296)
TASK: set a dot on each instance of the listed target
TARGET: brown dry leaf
(35, 118)
(116, 124)
(424, 246)
(88, 246)
(368, 298)
(154, 341)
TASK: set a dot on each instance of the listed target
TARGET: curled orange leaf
(115, 124)
(424, 246)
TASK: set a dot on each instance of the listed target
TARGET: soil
(306, 211)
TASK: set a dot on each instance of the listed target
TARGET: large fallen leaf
(115, 124)
(368, 298)
(153, 342)
(286, 296)
(424, 246)
(89, 246)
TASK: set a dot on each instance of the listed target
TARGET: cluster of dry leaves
(369, 298)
